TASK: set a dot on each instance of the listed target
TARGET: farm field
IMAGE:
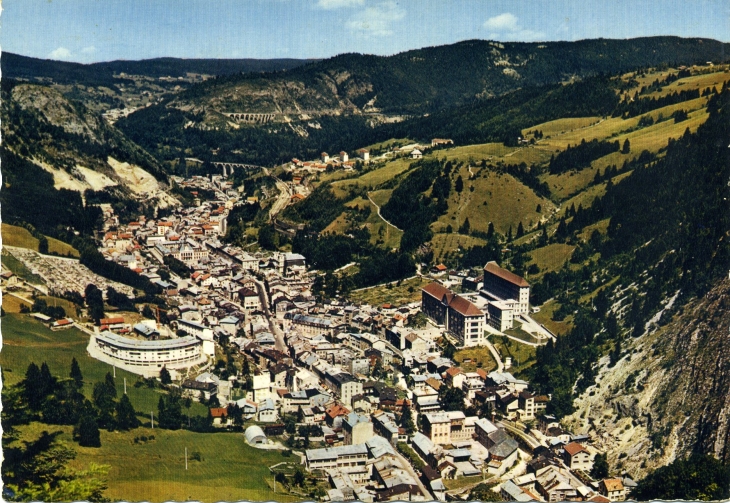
(27, 340)
(228, 470)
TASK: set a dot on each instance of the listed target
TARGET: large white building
(146, 357)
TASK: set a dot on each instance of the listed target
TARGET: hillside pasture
(497, 198)
(221, 466)
(561, 126)
(551, 257)
(373, 178)
(12, 303)
(441, 244)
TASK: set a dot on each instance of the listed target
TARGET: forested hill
(430, 79)
(15, 66)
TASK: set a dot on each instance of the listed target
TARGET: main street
(273, 326)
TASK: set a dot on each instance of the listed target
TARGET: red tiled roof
(64, 321)
(437, 290)
(336, 410)
(218, 412)
(493, 268)
(599, 499)
(111, 321)
(613, 485)
(453, 371)
(465, 307)
(574, 448)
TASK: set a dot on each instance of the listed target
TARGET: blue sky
(103, 30)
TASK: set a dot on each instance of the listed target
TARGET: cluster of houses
(322, 363)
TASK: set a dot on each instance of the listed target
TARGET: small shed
(255, 435)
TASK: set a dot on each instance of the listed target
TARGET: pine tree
(165, 376)
(126, 418)
(520, 230)
(627, 147)
(490, 230)
(509, 234)
(459, 185)
(47, 381)
(87, 432)
(405, 420)
(75, 374)
(32, 387)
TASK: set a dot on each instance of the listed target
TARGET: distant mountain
(430, 79)
(15, 66)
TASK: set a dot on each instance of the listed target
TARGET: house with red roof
(576, 457)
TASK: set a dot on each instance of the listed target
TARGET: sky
(102, 30)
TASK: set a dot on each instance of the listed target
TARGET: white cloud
(506, 27)
(60, 53)
(337, 4)
(89, 50)
(376, 21)
(503, 22)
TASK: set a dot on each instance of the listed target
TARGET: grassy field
(497, 198)
(380, 197)
(475, 152)
(545, 317)
(694, 82)
(373, 178)
(67, 305)
(27, 340)
(523, 355)
(561, 126)
(397, 295)
(551, 257)
(229, 469)
(600, 226)
(443, 243)
(463, 482)
(22, 238)
(11, 303)
(379, 229)
(476, 357)
(16, 266)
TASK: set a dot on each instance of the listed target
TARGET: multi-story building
(357, 428)
(445, 428)
(344, 385)
(501, 284)
(459, 316)
(328, 458)
(146, 357)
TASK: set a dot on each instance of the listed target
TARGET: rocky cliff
(669, 395)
